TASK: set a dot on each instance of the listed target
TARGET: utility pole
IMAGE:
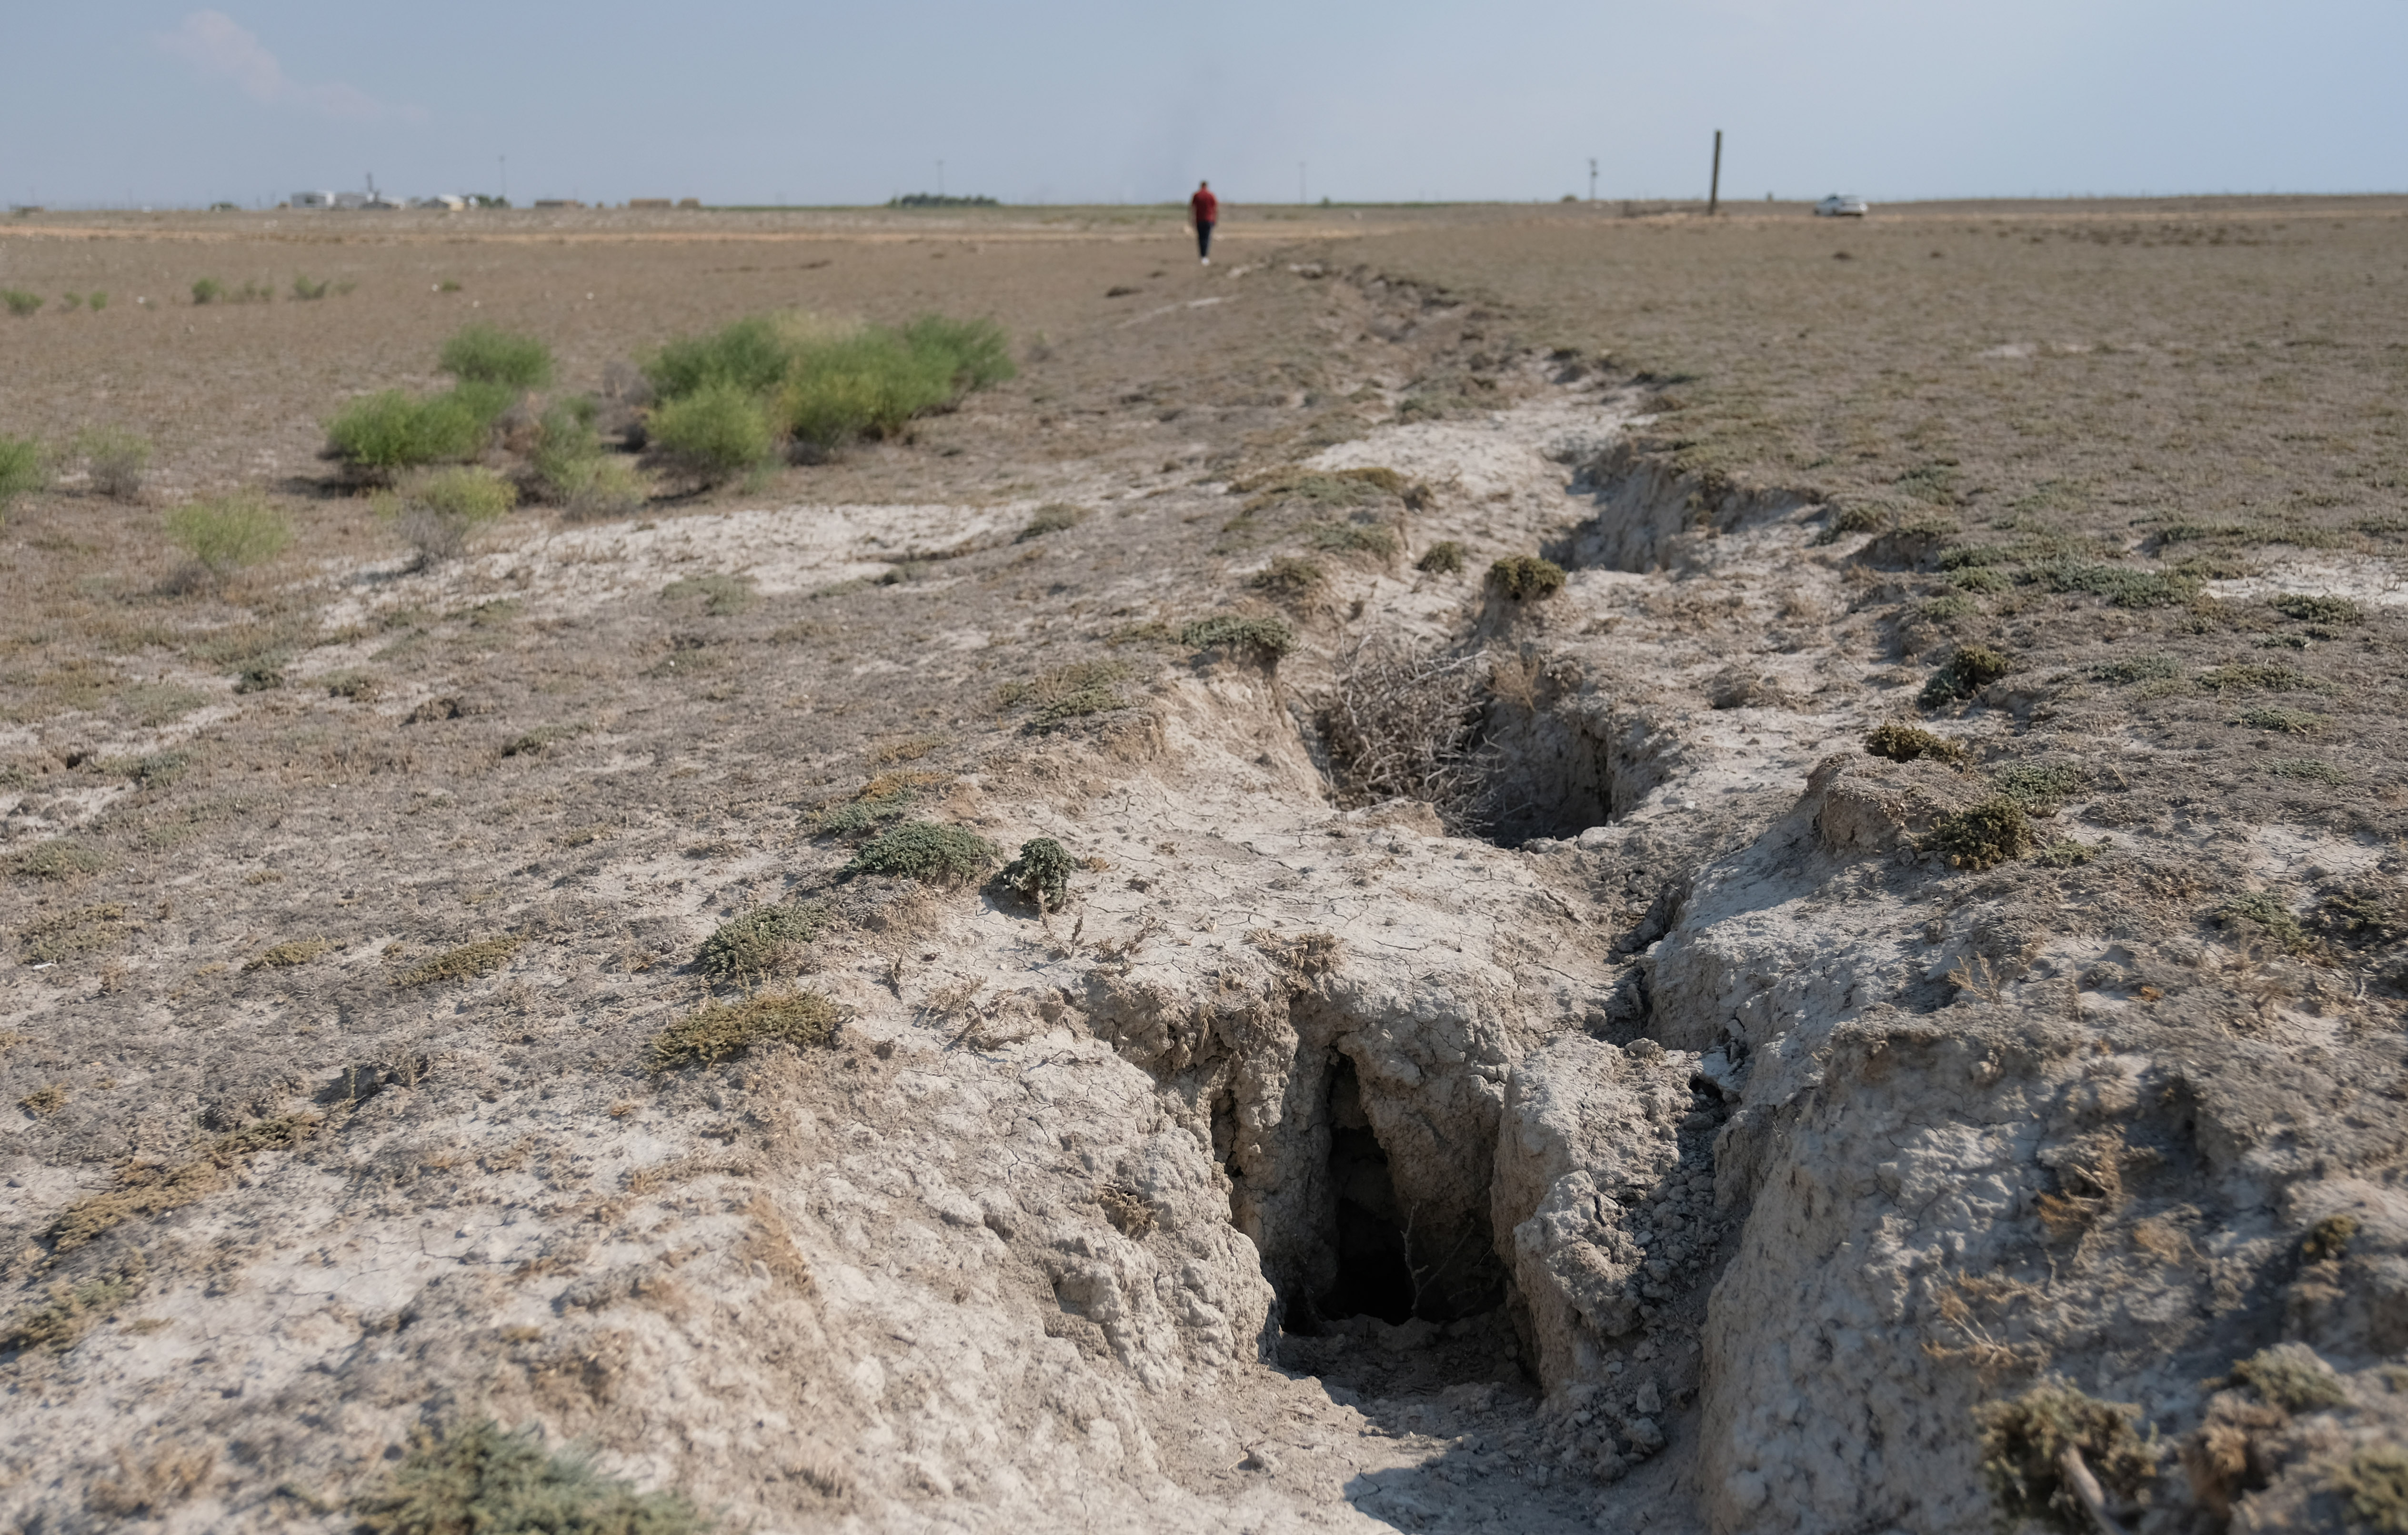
(1715, 188)
(1592, 178)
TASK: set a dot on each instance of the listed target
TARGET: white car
(1843, 205)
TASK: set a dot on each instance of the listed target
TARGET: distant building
(649, 203)
(444, 201)
(690, 202)
(313, 199)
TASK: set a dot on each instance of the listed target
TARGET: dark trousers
(1204, 237)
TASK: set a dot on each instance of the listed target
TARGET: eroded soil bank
(1508, 1062)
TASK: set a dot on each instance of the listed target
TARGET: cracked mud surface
(1653, 1129)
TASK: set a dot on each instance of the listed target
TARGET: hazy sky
(118, 100)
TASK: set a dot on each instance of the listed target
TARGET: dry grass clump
(1973, 668)
(2057, 1457)
(2290, 1376)
(1853, 518)
(717, 1030)
(44, 1100)
(927, 851)
(2038, 788)
(1526, 578)
(2266, 913)
(145, 1189)
(437, 512)
(882, 799)
(2265, 677)
(1290, 578)
(2286, 721)
(1984, 835)
(1066, 693)
(59, 861)
(467, 962)
(297, 951)
(1405, 722)
(1902, 743)
(1264, 638)
(70, 1311)
(2131, 669)
(64, 935)
(721, 596)
(2376, 1481)
(1041, 872)
(1444, 558)
(2328, 1240)
(758, 943)
(1371, 538)
(2323, 610)
(228, 535)
(477, 1479)
(114, 461)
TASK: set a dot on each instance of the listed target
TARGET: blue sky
(115, 101)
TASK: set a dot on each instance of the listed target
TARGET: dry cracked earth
(1515, 1059)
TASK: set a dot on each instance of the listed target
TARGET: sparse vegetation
(467, 962)
(1041, 872)
(2288, 722)
(1053, 517)
(69, 1312)
(2307, 769)
(717, 1030)
(884, 798)
(1526, 578)
(1066, 693)
(1290, 578)
(1902, 743)
(487, 354)
(439, 511)
(2133, 669)
(228, 535)
(1973, 668)
(145, 1189)
(1984, 835)
(721, 596)
(24, 468)
(59, 861)
(2376, 1481)
(1371, 538)
(1404, 723)
(295, 951)
(2321, 610)
(392, 430)
(21, 303)
(2291, 1377)
(597, 489)
(929, 851)
(44, 1100)
(476, 1479)
(2038, 788)
(2271, 676)
(2268, 915)
(714, 434)
(207, 291)
(114, 461)
(1853, 518)
(308, 291)
(64, 935)
(2070, 853)
(1444, 558)
(2027, 1444)
(757, 944)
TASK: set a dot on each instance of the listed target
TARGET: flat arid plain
(1527, 868)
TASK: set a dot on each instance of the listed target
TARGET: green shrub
(2268, 913)
(439, 511)
(715, 433)
(2023, 1446)
(1982, 836)
(1971, 669)
(395, 430)
(975, 353)
(2037, 789)
(2290, 1376)
(2119, 584)
(749, 354)
(479, 1480)
(19, 303)
(1056, 516)
(309, 292)
(717, 1030)
(1066, 693)
(2376, 1481)
(927, 851)
(829, 387)
(2308, 609)
(1951, 604)
(1264, 639)
(2266, 676)
(487, 354)
(2288, 722)
(114, 459)
(1526, 578)
(882, 799)
(207, 291)
(2307, 769)
(1907, 742)
(2070, 853)
(869, 384)
(1290, 578)
(1041, 872)
(225, 536)
(597, 489)
(59, 861)
(465, 964)
(2328, 1240)
(756, 944)
(2136, 669)
(1853, 517)
(1444, 558)
(96, 301)
(1980, 579)
(1354, 538)
(24, 468)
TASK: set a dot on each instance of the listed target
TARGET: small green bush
(1264, 639)
(1370, 538)
(1041, 872)
(2288, 722)
(465, 964)
(1445, 558)
(479, 1480)
(1951, 604)
(1290, 578)
(927, 851)
(2266, 676)
(19, 303)
(114, 459)
(749, 354)
(2290, 1376)
(884, 798)
(437, 512)
(2070, 853)
(1973, 668)
(718, 1030)
(1853, 517)
(975, 353)
(1902, 743)
(869, 384)
(714, 434)
(754, 944)
(2120, 585)
(2376, 1481)
(599, 489)
(1056, 516)
(2268, 913)
(24, 468)
(2023, 1443)
(2328, 1240)
(1982, 836)
(207, 291)
(1066, 693)
(229, 534)
(1526, 578)
(59, 861)
(395, 430)
(2335, 610)
(308, 292)
(487, 354)
(2136, 669)
(1980, 579)
(96, 302)
(2307, 769)
(2036, 787)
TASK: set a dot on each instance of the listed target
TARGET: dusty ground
(1730, 1147)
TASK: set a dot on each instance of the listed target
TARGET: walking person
(1206, 210)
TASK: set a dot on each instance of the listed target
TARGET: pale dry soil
(1654, 1134)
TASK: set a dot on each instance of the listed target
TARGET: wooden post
(1715, 188)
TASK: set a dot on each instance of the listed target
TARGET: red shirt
(1206, 207)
